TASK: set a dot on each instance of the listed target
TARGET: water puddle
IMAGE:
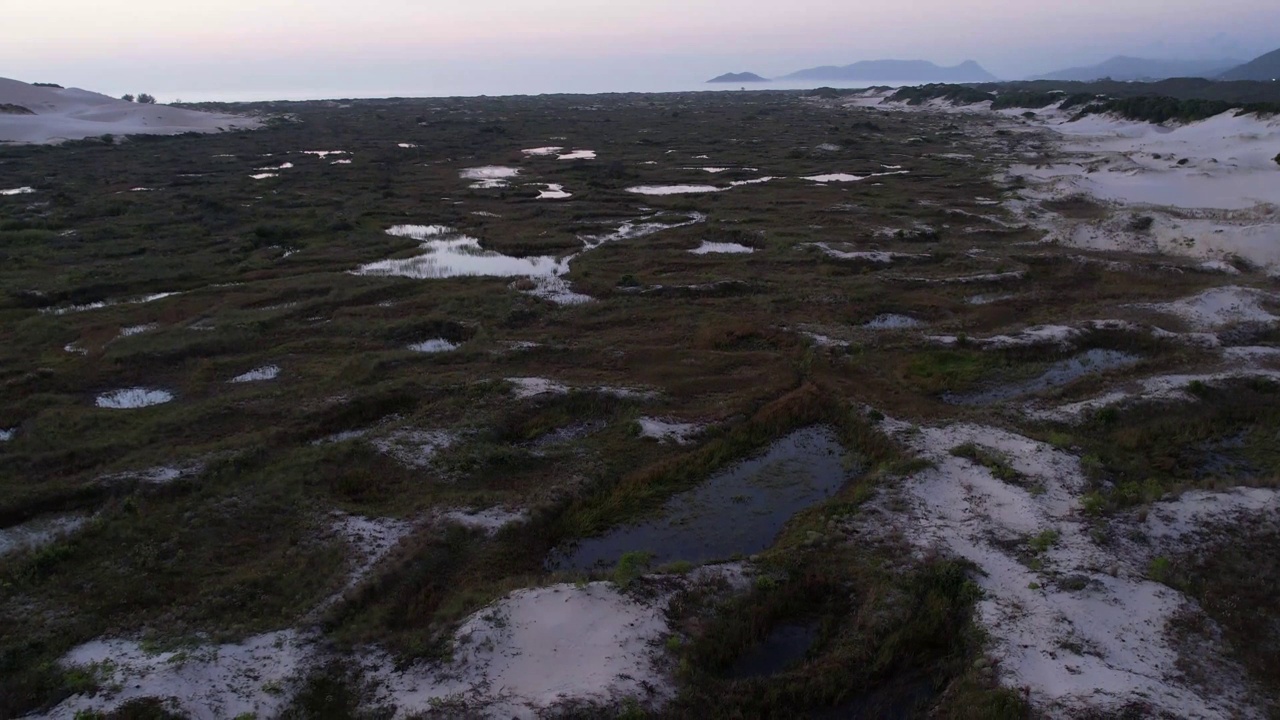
(489, 177)
(38, 533)
(133, 398)
(707, 248)
(1059, 374)
(434, 345)
(892, 322)
(579, 155)
(785, 646)
(554, 192)
(262, 374)
(18, 191)
(738, 511)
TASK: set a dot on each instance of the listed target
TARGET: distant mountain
(1122, 67)
(906, 70)
(742, 77)
(1266, 67)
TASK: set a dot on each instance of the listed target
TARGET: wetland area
(768, 404)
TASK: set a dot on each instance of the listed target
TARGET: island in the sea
(742, 77)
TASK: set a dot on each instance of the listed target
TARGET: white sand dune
(72, 114)
(1211, 188)
(1092, 647)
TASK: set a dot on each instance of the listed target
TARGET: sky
(301, 49)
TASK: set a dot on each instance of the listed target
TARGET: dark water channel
(738, 511)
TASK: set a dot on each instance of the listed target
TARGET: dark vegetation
(1183, 100)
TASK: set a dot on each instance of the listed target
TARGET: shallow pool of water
(738, 511)
(783, 647)
(1059, 374)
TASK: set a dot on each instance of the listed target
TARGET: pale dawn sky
(255, 49)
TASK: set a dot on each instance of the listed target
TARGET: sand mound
(58, 114)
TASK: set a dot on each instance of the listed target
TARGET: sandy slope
(1211, 189)
(73, 114)
(1081, 630)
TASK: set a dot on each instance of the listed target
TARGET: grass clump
(631, 566)
(997, 464)
(1041, 543)
(994, 461)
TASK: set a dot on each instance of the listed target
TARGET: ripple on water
(738, 511)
